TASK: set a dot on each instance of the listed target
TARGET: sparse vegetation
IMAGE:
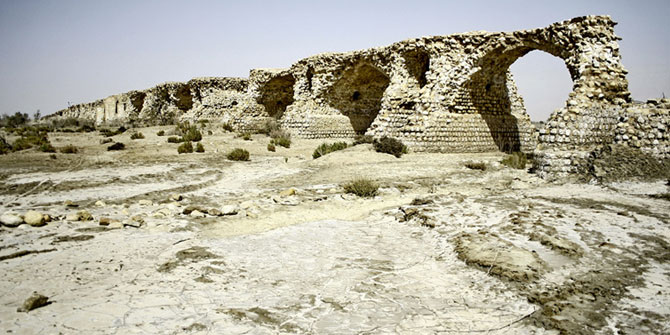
(199, 147)
(326, 148)
(69, 149)
(362, 187)
(185, 148)
(116, 146)
(175, 139)
(227, 127)
(476, 166)
(246, 136)
(136, 136)
(106, 140)
(271, 147)
(4, 146)
(188, 132)
(280, 137)
(109, 133)
(47, 147)
(389, 145)
(363, 139)
(270, 127)
(30, 137)
(238, 155)
(160, 133)
(515, 160)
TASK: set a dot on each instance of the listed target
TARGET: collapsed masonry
(439, 94)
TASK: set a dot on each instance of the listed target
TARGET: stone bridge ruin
(437, 94)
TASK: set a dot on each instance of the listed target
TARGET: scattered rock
(214, 212)
(34, 301)
(190, 209)
(34, 218)
(69, 203)
(286, 193)
(145, 202)
(229, 210)
(47, 218)
(100, 203)
(115, 225)
(82, 215)
(176, 197)
(11, 219)
(197, 214)
(105, 221)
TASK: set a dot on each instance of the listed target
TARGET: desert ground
(149, 241)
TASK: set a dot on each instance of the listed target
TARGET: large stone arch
(358, 94)
(492, 92)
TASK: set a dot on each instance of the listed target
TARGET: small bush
(185, 148)
(210, 133)
(361, 187)
(246, 136)
(282, 141)
(21, 144)
(53, 156)
(326, 148)
(175, 139)
(47, 147)
(271, 147)
(192, 135)
(161, 133)
(363, 139)
(86, 128)
(516, 160)
(69, 149)
(389, 145)
(238, 155)
(270, 127)
(227, 127)
(106, 140)
(476, 166)
(4, 146)
(136, 136)
(199, 148)
(116, 146)
(110, 133)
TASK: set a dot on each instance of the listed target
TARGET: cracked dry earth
(441, 249)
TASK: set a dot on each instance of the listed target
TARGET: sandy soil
(441, 248)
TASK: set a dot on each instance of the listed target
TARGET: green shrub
(116, 146)
(86, 128)
(53, 156)
(227, 127)
(136, 136)
(476, 166)
(326, 148)
(30, 137)
(69, 149)
(516, 160)
(238, 155)
(109, 133)
(199, 148)
(4, 146)
(175, 139)
(185, 148)
(282, 141)
(270, 127)
(161, 133)
(389, 145)
(361, 187)
(246, 136)
(47, 147)
(363, 139)
(271, 147)
(193, 135)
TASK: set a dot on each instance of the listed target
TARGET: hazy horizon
(55, 52)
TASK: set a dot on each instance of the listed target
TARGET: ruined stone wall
(441, 93)
(646, 127)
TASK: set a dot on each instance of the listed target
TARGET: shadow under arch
(358, 94)
(493, 95)
(277, 94)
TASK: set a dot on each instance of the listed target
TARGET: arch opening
(543, 84)
(494, 96)
(418, 64)
(277, 94)
(358, 95)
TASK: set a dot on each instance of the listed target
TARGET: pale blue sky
(52, 52)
